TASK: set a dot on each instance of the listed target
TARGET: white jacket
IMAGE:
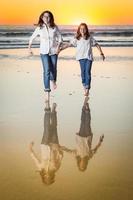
(50, 38)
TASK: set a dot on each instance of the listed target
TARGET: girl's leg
(54, 135)
(46, 72)
(47, 126)
(82, 67)
(88, 65)
(53, 70)
(54, 65)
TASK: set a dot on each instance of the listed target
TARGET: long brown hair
(78, 34)
(85, 163)
(47, 178)
(41, 22)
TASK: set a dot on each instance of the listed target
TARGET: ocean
(12, 37)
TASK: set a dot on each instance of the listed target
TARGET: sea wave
(18, 36)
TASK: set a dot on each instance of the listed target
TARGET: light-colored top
(47, 157)
(43, 163)
(83, 47)
(82, 146)
(50, 38)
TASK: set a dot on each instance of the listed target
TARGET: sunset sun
(79, 21)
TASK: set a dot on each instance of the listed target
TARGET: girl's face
(82, 30)
(46, 18)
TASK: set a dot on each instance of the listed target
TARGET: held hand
(58, 50)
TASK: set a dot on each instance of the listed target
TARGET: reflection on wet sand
(84, 150)
(51, 151)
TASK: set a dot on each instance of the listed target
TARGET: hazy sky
(97, 12)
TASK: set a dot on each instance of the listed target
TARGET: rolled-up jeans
(49, 63)
(85, 66)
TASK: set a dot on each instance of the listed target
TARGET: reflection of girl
(51, 151)
(83, 42)
(50, 40)
(84, 150)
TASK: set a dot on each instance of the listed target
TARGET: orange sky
(97, 12)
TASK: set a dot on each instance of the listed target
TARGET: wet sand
(109, 172)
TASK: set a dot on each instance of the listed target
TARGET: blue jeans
(85, 66)
(50, 134)
(49, 63)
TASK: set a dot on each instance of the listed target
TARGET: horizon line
(69, 24)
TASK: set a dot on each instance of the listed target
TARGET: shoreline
(112, 54)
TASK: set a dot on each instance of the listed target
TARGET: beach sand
(109, 173)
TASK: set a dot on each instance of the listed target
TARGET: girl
(50, 40)
(51, 151)
(83, 42)
(84, 150)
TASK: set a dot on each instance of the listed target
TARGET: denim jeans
(85, 126)
(49, 63)
(50, 134)
(85, 66)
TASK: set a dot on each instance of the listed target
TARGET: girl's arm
(98, 145)
(100, 50)
(64, 46)
(34, 35)
(68, 150)
(33, 154)
(71, 43)
(59, 38)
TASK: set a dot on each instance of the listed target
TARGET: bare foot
(47, 97)
(54, 106)
(54, 85)
(86, 92)
(84, 88)
(86, 100)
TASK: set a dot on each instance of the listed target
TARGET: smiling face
(83, 30)
(46, 18)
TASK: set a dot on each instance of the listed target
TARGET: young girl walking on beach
(50, 40)
(83, 42)
(84, 150)
(51, 151)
